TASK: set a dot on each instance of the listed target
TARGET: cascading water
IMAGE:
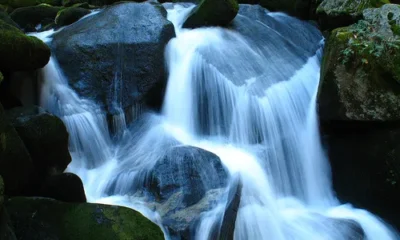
(252, 103)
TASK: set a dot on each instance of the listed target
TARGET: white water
(262, 128)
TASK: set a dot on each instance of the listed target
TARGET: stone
(125, 55)
(28, 18)
(190, 170)
(212, 13)
(70, 15)
(360, 73)
(41, 218)
(66, 187)
(20, 52)
(16, 166)
(45, 136)
(340, 13)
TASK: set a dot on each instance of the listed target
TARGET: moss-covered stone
(28, 3)
(29, 17)
(66, 187)
(6, 18)
(16, 167)
(70, 15)
(360, 74)
(212, 13)
(69, 3)
(37, 219)
(20, 52)
(45, 136)
(6, 8)
(298, 8)
(340, 13)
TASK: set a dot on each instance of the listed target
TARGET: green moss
(28, 3)
(70, 15)
(20, 52)
(1, 77)
(79, 221)
(29, 17)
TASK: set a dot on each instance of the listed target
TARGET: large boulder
(340, 13)
(16, 166)
(212, 13)
(70, 15)
(360, 74)
(365, 165)
(45, 136)
(28, 18)
(20, 52)
(66, 187)
(358, 106)
(122, 62)
(189, 170)
(38, 219)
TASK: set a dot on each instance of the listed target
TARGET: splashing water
(249, 100)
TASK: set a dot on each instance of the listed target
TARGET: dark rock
(6, 18)
(29, 3)
(125, 54)
(6, 232)
(365, 165)
(16, 166)
(212, 13)
(70, 15)
(29, 17)
(337, 13)
(228, 223)
(39, 218)
(297, 8)
(45, 136)
(14, 48)
(189, 170)
(66, 187)
(360, 74)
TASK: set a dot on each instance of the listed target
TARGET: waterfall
(252, 102)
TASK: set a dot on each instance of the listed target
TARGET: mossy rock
(38, 218)
(1, 77)
(69, 3)
(70, 15)
(6, 8)
(29, 3)
(66, 187)
(360, 74)
(212, 13)
(45, 137)
(20, 52)
(297, 8)
(340, 13)
(16, 167)
(6, 18)
(29, 17)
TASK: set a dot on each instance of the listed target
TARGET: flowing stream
(250, 101)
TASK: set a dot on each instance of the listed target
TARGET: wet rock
(360, 74)
(189, 170)
(14, 48)
(66, 187)
(125, 55)
(45, 136)
(339, 13)
(70, 15)
(16, 166)
(212, 13)
(39, 218)
(28, 18)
